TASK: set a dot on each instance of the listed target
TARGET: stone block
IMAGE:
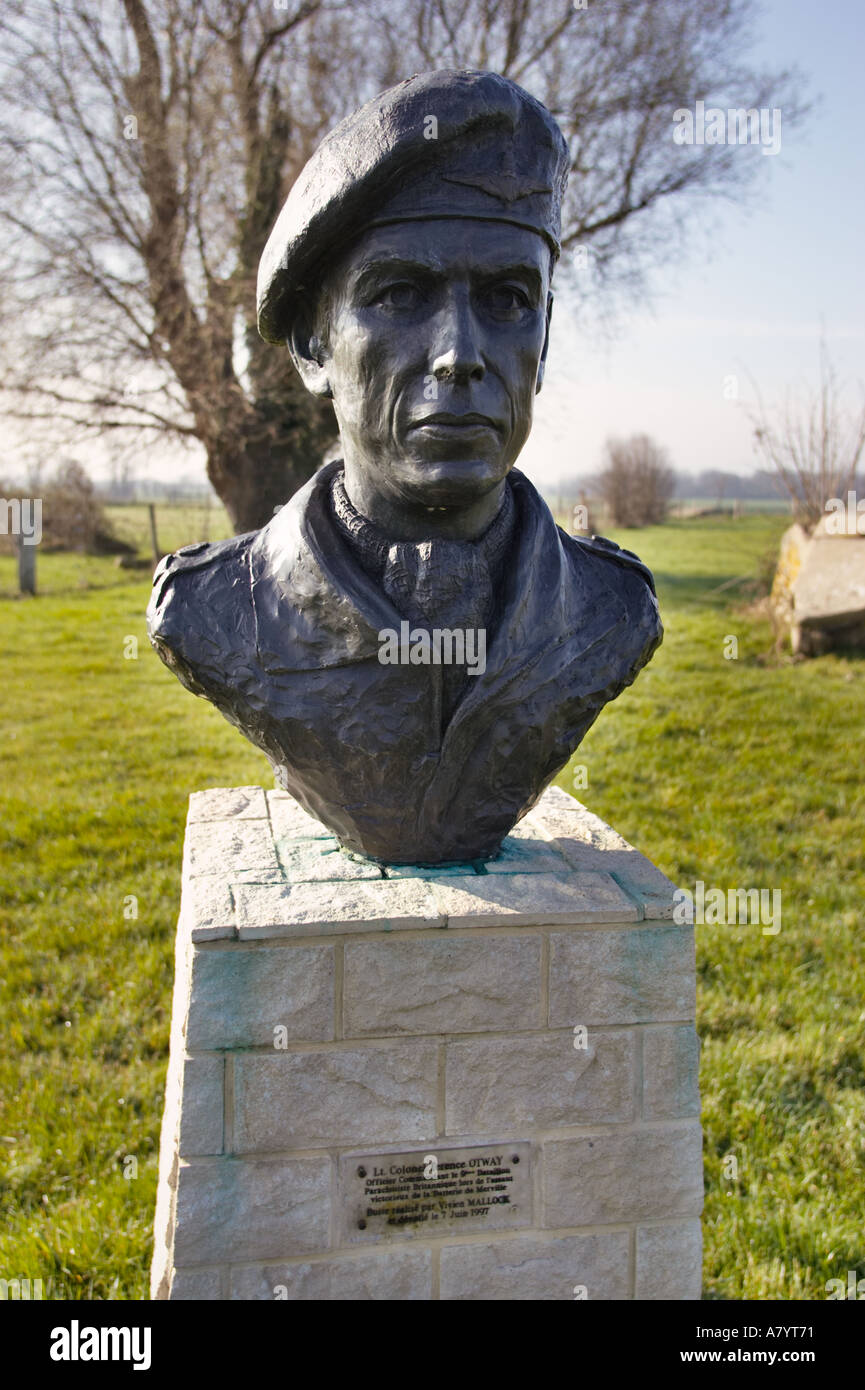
(227, 803)
(639, 976)
(200, 1285)
(671, 1073)
(202, 1108)
(231, 849)
(655, 893)
(544, 899)
(442, 984)
(520, 854)
(207, 909)
(310, 1100)
(233, 1209)
(588, 844)
(829, 590)
(669, 1261)
(393, 1276)
(632, 1176)
(317, 909)
(559, 815)
(498, 1084)
(529, 1268)
(239, 997)
(321, 861)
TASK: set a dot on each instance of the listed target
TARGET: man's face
(436, 333)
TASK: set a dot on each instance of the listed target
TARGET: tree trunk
(256, 473)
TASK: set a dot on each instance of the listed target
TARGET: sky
(750, 298)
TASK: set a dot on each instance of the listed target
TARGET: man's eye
(399, 296)
(507, 299)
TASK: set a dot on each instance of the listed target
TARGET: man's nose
(456, 348)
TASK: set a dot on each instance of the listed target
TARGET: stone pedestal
(466, 1083)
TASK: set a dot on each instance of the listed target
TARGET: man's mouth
(450, 423)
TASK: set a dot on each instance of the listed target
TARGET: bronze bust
(412, 641)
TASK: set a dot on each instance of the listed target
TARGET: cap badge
(508, 188)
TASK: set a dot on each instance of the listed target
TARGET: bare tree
(813, 442)
(146, 147)
(637, 481)
(72, 517)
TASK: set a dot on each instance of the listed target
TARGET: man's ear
(543, 361)
(309, 354)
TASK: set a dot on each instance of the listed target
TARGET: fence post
(26, 566)
(153, 537)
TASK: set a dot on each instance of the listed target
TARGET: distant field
(683, 506)
(744, 772)
(749, 505)
(177, 524)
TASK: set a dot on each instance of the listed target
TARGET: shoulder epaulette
(194, 557)
(609, 550)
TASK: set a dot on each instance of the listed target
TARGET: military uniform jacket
(280, 629)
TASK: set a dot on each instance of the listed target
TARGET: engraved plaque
(434, 1191)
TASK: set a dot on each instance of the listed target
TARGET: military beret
(441, 144)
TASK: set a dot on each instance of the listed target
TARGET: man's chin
(450, 482)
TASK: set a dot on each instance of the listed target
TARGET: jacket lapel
(314, 606)
(555, 610)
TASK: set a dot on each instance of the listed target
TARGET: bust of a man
(411, 640)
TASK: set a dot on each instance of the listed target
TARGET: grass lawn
(742, 772)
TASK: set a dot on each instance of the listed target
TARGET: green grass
(748, 773)
(743, 772)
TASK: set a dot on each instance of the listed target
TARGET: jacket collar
(316, 608)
